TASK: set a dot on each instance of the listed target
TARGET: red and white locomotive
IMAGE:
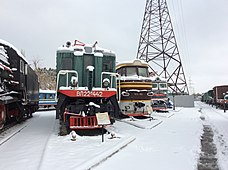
(86, 85)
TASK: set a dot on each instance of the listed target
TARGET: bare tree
(36, 62)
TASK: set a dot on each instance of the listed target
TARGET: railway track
(7, 136)
(12, 123)
(7, 126)
(19, 140)
(11, 129)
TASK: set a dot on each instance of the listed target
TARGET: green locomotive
(86, 85)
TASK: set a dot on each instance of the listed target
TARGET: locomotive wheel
(2, 116)
(19, 117)
(29, 114)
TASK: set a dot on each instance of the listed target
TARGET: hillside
(47, 78)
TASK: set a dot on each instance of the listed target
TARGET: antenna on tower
(158, 46)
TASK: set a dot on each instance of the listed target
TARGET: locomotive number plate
(89, 93)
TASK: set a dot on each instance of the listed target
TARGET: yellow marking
(132, 82)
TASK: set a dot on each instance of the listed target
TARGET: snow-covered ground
(171, 142)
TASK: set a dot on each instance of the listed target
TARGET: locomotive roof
(135, 62)
(81, 48)
(5, 43)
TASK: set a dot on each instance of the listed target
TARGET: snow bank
(84, 153)
(95, 161)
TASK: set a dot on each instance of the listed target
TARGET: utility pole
(158, 46)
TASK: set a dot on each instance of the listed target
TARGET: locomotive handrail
(108, 73)
(112, 75)
(119, 95)
(64, 72)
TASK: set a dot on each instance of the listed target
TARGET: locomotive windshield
(143, 71)
(131, 71)
(135, 71)
(107, 65)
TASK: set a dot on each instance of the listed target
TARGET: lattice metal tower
(158, 46)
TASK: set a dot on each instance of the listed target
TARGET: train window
(118, 71)
(26, 69)
(162, 85)
(88, 50)
(131, 71)
(52, 96)
(107, 66)
(123, 71)
(66, 63)
(41, 96)
(22, 66)
(142, 71)
(154, 86)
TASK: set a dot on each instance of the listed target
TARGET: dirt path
(208, 160)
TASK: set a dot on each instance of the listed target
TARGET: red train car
(221, 96)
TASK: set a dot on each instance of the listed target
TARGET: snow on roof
(3, 55)
(47, 91)
(14, 48)
(84, 48)
(156, 78)
(132, 63)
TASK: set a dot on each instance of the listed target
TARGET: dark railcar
(32, 86)
(208, 97)
(19, 94)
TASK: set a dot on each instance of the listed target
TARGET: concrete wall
(183, 100)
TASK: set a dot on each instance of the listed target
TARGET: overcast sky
(39, 27)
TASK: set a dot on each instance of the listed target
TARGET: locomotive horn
(68, 43)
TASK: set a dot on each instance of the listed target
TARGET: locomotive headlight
(106, 82)
(74, 81)
(150, 94)
(124, 93)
